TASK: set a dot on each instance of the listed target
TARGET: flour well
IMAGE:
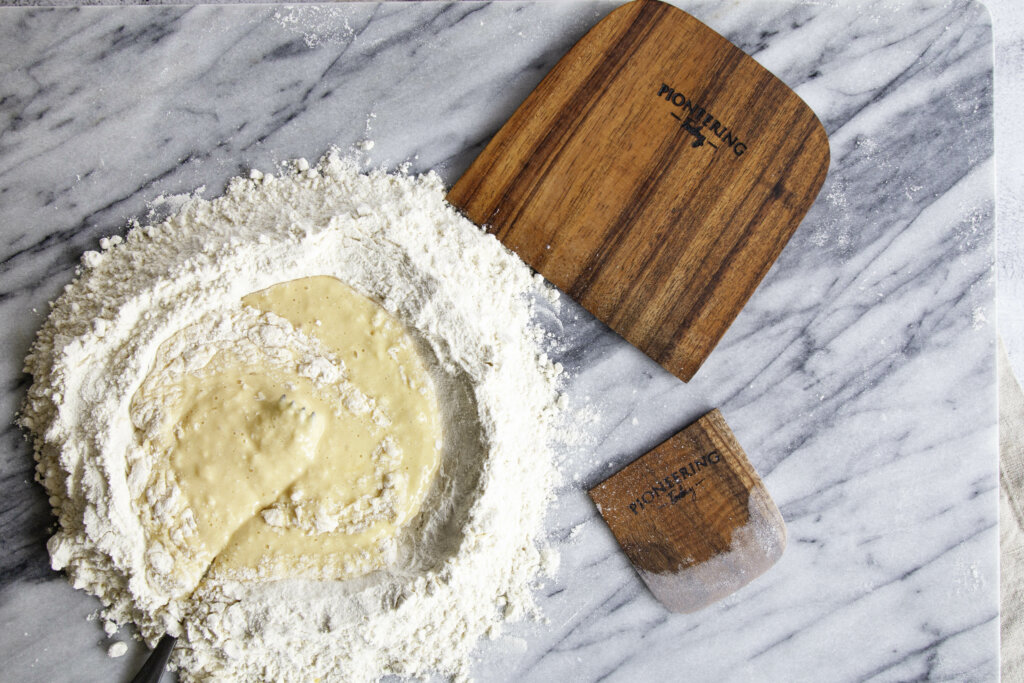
(456, 571)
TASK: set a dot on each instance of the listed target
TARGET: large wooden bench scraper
(655, 175)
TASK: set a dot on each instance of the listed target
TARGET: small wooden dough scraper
(693, 516)
(655, 175)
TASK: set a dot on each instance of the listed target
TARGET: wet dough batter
(283, 478)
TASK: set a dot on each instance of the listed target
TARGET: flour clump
(436, 539)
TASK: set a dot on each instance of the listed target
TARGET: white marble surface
(1008, 26)
(860, 377)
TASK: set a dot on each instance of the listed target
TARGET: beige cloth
(1011, 520)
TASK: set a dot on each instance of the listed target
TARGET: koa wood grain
(693, 516)
(654, 175)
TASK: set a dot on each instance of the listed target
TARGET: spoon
(154, 667)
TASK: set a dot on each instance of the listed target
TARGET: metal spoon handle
(154, 667)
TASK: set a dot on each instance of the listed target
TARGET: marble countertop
(860, 378)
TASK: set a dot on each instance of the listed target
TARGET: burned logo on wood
(696, 120)
(676, 485)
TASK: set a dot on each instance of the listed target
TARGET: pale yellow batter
(284, 477)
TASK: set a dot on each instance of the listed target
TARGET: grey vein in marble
(859, 378)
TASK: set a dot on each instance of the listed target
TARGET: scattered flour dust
(317, 24)
(472, 556)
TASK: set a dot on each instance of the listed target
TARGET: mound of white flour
(467, 562)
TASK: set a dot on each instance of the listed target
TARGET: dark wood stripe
(526, 183)
(685, 304)
(620, 226)
(664, 351)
